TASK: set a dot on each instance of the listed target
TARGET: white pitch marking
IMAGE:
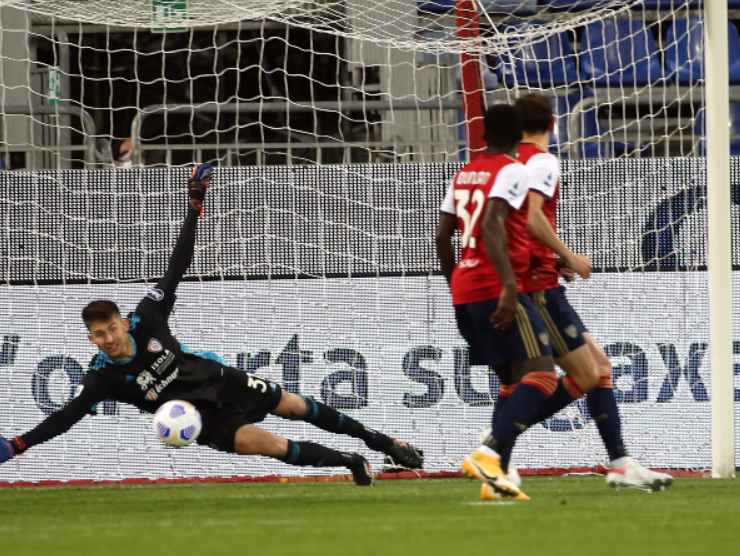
(491, 503)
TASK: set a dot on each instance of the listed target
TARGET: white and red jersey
(487, 176)
(544, 178)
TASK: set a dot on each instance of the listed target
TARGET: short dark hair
(100, 309)
(503, 127)
(536, 112)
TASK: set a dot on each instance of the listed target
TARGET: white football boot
(626, 472)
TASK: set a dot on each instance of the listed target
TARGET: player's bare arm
(539, 226)
(445, 252)
(493, 230)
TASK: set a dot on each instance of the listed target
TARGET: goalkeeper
(141, 363)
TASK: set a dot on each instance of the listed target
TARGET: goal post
(719, 240)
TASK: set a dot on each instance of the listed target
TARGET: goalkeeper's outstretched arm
(55, 424)
(162, 298)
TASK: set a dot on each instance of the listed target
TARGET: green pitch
(566, 516)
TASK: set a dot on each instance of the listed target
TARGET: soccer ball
(177, 423)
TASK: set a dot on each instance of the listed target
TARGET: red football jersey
(488, 175)
(544, 178)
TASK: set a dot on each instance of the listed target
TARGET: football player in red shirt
(487, 204)
(587, 367)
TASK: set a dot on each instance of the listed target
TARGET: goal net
(336, 126)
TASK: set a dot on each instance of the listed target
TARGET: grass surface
(568, 516)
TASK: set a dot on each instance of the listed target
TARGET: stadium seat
(519, 7)
(435, 6)
(547, 62)
(619, 52)
(685, 50)
(572, 5)
(672, 4)
(595, 146)
(699, 129)
(668, 4)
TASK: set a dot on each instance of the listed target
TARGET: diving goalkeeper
(141, 363)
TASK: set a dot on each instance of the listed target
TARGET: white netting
(343, 122)
(391, 22)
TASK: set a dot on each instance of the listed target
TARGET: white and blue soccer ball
(177, 423)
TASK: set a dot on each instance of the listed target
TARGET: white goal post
(719, 241)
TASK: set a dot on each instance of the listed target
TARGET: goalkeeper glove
(198, 184)
(7, 449)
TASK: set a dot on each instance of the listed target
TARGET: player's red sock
(566, 393)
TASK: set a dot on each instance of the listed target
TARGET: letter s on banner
(412, 368)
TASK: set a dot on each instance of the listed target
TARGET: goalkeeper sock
(566, 393)
(520, 412)
(603, 408)
(315, 455)
(329, 419)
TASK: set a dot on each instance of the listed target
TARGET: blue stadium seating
(598, 148)
(683, 55)
(519, 7)
(671, 4)
(545, 63)
(572, 5)
(699, 128)
(529, 6)
(619, 52)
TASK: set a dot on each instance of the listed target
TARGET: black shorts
(564, 326)
(526, 339)
(243, 399)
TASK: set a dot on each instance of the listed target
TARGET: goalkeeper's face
(111, 336)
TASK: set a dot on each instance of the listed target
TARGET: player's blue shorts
(526, 339)
(563, 324)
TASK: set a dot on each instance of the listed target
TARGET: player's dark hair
(100, 309)
(503, 127)
(536, 112)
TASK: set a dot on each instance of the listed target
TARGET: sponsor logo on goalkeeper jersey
(162, 363)
(154, 392)
(145, 379)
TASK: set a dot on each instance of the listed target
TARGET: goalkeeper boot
(486, 467)
(360, 468)
(403, 454)
(487, 493)
(626, 472)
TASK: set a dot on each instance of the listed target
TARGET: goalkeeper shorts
(244, 399)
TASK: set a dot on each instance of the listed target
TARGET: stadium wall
(380, 344)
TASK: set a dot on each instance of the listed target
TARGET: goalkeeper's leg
(252, 440)
(293, 406)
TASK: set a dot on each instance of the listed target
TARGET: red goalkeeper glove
(10, 448)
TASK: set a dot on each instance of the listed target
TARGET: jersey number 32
(469, 219)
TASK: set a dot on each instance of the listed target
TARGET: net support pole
(468, 29)
(719, 241)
